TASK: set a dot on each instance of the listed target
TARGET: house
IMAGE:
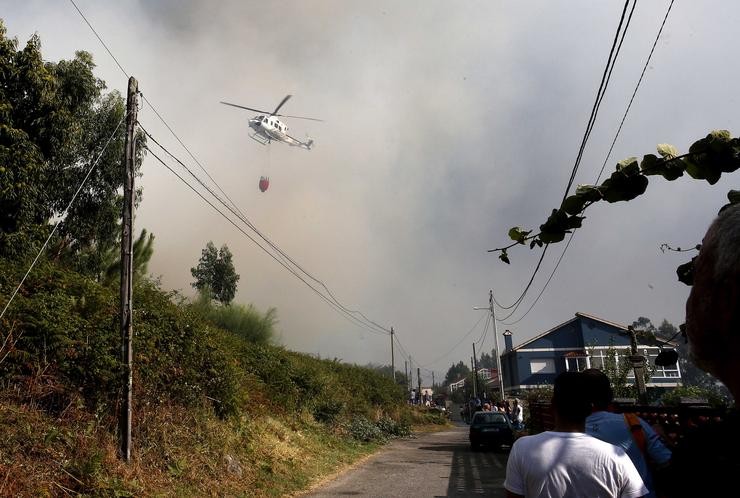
(460, 384)
(582, 342)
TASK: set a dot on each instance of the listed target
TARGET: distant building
(460, 384)
(581, 342)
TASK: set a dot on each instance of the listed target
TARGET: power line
(484, 334)
(62, 217)
(241, 214)
(347, 316)
(606, 159)
(605, 79)
(246, 221)
(105, 46)
(458, 342)
(637, 86)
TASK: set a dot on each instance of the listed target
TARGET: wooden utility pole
(393, 361)
(127, 253)
(406, 372)
(418, 380)
(475, 376)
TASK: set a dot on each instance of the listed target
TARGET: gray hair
(723, 239)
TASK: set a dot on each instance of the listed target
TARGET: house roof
(578, 315)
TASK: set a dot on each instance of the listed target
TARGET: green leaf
(628, 166)
(668, 151)
(585, 194)
(720, 135)
(652, 165)
(734, 196)
(519, 235)
(504, 257)
(551, 238)
(575, 221)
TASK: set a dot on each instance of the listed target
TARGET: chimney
(508, 346)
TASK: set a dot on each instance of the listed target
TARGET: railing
(671, 422)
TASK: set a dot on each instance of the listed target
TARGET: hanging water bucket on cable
(264, 183)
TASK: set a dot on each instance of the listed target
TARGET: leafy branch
(706, 159)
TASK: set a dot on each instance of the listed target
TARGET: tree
(56, 121)
(691, 375)
(215, 272)
(487, 360)
(456, 372)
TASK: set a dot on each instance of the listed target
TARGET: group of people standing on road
(514, 412)
(595, 453)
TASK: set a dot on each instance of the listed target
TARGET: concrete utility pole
(495, 342)
(127, 253)
(393, 361)
(406, 372)
(475, 370)
(475, 376)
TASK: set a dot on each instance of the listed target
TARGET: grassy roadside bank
(177, 452)
(215, 413)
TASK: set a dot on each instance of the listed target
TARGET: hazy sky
(446, 123)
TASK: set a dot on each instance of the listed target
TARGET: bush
(713, 396)
(245, 322)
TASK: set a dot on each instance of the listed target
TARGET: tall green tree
(55, 121)
(487, 360)
(215, 272)
(456, 372)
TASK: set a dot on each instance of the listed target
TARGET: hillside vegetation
(214, 413)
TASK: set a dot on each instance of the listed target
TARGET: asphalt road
(431, 465)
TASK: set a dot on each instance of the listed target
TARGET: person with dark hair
(706, 460)
(567, 462)
(628, 431)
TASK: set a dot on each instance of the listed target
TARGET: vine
(706, 159)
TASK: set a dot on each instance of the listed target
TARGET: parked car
(492, 429)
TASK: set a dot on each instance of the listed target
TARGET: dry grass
(176, 453)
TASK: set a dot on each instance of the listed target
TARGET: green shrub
(362, 429)
(713, 396)
(244, 321)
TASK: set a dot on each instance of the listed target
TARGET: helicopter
(267, 127)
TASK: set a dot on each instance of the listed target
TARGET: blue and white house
(582, 342)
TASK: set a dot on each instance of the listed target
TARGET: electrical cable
(485, 332)
(605, 79)
(349, 317)
(62, 217)
(242, 216)
(458, 342)
(245, 220)
(606, 159)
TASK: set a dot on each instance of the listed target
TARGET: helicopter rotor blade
(298, 117)
(243, 107)
(274, 113)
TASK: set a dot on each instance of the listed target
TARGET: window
(670, 371)
(577, 364)
(542, 366)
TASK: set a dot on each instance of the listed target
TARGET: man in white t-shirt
(566, 462)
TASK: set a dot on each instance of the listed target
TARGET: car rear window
(489, 418)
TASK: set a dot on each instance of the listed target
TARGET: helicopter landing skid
(259, 139)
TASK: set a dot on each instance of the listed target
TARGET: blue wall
(578, 334)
